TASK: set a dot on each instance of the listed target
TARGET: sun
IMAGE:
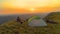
(32, 9)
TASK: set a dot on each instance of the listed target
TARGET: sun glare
(32, 9)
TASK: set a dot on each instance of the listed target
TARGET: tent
(36, 21)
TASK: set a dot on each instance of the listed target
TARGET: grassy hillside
(12, 27)
(55, 16)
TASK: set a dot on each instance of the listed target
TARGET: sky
(28, 6)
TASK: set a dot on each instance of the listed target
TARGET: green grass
(12, 27)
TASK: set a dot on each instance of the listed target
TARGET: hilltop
(55, 16)
(12, 27)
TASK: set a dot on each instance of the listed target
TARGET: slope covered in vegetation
(55, 16)
(13, 27)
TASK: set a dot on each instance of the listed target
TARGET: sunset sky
(28, 6)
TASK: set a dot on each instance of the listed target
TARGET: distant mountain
(6, 18)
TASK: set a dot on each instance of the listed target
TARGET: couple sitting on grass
(19, 20)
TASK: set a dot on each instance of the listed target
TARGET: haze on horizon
(28, 6)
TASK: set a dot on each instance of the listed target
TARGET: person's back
(19, 20)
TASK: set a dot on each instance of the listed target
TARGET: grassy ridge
(12, 27)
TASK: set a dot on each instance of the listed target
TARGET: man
(18, 20)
